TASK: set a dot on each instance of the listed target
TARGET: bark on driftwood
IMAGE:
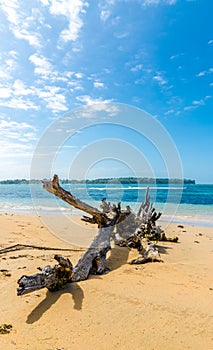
(123, 226)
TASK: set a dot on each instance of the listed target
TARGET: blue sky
(156, 55)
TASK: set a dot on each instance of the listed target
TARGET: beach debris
(180, 226)
(150, 254)
(52, 278)
(5, 328)
(126, 228)
(27, 246)
(5, 272)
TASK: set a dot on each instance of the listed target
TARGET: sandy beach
(157, 306)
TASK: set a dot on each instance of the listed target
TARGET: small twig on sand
(27, 246)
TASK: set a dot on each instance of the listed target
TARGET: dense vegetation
(120, 180)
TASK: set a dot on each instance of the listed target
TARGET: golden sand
(157, 306)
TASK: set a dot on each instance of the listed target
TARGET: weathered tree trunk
(124, 226)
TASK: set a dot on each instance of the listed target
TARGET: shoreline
(182, 218)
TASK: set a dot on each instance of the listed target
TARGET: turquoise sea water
(192, 204)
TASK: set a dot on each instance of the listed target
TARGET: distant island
(113, 180)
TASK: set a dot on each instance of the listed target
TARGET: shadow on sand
(51, 298)
(118, 257)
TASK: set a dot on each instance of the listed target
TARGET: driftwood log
(126, 228)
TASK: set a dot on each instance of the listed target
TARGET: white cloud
(198, 102)
(79, 75)
(104, 15)
(89, 101)
(14, 96)
(159, 78)
(10, 8)
(19, 103)
(8, 65)
(57, 103)
(19, 22)
(173, 57)
(16, 144)
(170, 111)
(42, 66)
(210, 42)
(5, 92)
(204, 72)
(9, 128)
(121, 35)
(136, 68)
(159, 2)
(98, 85)
(53, 97)
(45, 2)
(14, 149)
(33, 39)
(46, 71)
(195, 104)
(72, 10)
(189, 108)
(94, 106)
(106, 10)
(201, 74)
(19, 88)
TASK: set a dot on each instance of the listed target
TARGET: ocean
(190, 204)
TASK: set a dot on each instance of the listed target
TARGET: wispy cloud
(42, 65)
(121, 35)
(19, 89)
(10, 129)
(72, 10)
(201, 74)
(89, 101)
(78, 75)
(98, 84)
(159, 2)
(8, 64)
(106, 7)
(53, 96)
(18, 96)
(104, 15)
(17, 142)
(5, 92)
(210, 42)
(20, 23)
(174, 57)
(204, 72)
(95, 106)
(19, 103)
(170, 111)
(159, 79)
(136, 68)
(197, 103)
